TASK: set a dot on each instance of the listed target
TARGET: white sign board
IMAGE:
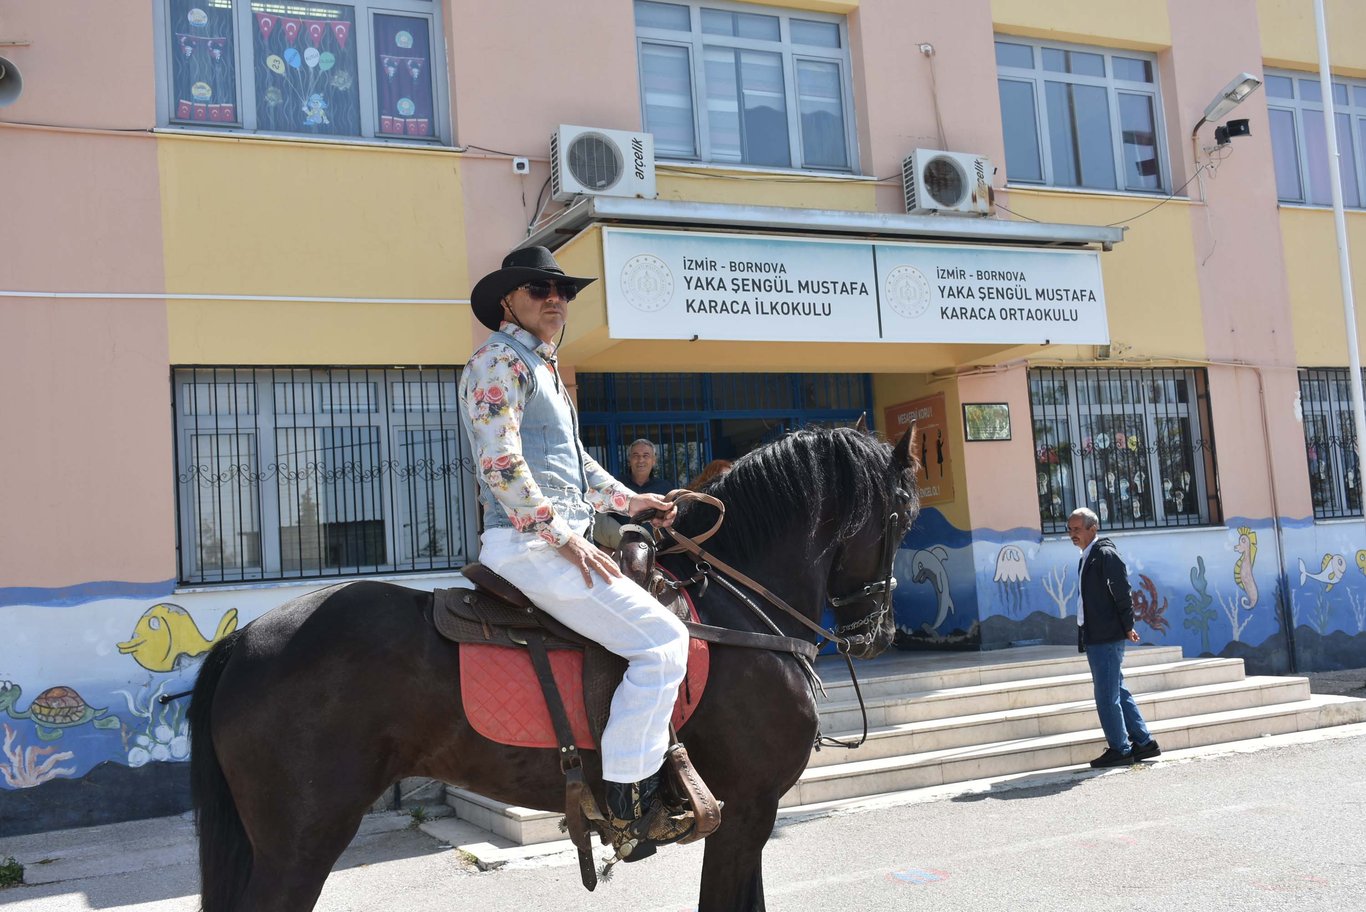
(686, 285)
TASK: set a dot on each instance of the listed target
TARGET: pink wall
(1244, 292)
(894, 100)
(87, 483)
(1002, 490)
(576, 65)
(88, 64)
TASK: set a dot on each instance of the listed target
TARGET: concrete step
(862, 778)
(1058, 718)
(897, 673)
(1020, 693)
(944, 718)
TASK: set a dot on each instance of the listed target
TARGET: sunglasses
(540, 291)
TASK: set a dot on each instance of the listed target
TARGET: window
(746, 85)
(1299, 138)
(291, 473)
(1133, 445)
(1080, 117)
(1330, 443)
(368, 68)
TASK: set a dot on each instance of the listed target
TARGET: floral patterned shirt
(493, 393)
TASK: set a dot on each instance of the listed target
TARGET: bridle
(845, 636)
(879, 591)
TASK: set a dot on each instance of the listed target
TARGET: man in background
(1105, 622)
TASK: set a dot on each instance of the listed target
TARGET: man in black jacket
(1105, 621)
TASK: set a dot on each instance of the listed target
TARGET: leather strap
(690, 546)
(768, 641)
(682, 494)
(575, 788)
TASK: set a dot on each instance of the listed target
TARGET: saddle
(496, 613)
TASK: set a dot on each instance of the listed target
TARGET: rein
(709, 566)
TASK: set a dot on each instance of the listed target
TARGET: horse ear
(901, 456)
(862, 424)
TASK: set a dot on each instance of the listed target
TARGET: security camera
(521, 165)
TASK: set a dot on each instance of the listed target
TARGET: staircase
(940, 718)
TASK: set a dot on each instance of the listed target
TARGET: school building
(1086, 250)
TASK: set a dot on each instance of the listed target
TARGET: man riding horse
(540, 490)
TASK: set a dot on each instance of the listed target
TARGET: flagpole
(1340, 224)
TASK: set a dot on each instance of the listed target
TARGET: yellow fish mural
(165, 633)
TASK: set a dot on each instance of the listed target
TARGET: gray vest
(550, 445)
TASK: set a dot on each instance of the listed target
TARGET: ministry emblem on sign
(907, 291)
(647, 282)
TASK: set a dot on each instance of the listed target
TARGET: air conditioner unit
(947, 182)
(585, 160)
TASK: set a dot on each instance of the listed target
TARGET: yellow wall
(253, 217)
(750, 188)
(1288, 39)
(1152, 293)
(1311, 263)
(1139, 24)
(894, 389)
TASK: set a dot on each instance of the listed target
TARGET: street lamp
(1229, 97)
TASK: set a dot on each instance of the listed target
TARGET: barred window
(1136, 446)
(288, 473)
(1330, 442)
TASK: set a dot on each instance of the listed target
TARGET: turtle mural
(53, 710)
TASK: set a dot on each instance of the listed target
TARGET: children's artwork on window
(203, 69)
(403, 78)
(306, 70)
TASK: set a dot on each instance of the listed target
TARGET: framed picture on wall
(986, 421)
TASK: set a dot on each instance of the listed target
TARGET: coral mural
(25, 767)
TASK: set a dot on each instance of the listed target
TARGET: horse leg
(732, 865)
(297, 835)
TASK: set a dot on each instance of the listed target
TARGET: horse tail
(224, 850)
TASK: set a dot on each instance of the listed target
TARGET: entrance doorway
(695, 418)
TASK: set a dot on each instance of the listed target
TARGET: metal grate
(1330, 442)
(287, 473)
(1136, 446)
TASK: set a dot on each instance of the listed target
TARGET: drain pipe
(1283, 587)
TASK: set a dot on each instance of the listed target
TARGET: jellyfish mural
(1012, 573)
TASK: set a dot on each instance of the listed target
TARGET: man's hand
(589, 558)
(667, 510)
(1133, 636)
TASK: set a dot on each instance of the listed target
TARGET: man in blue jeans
(1105, 620)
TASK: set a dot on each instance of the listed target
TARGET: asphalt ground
(1271, 824)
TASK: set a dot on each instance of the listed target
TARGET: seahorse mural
(1242, 570)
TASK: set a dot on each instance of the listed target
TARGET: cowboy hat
(526, 264)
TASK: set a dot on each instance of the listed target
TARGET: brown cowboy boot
(641, 813)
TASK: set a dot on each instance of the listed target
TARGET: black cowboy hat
(526, 264)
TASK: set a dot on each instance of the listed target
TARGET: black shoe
(1112, 757)
(1146, 751)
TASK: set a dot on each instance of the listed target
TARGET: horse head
(861, 580)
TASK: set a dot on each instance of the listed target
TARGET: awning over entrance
(710, 287)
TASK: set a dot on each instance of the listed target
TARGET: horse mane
(789, 484)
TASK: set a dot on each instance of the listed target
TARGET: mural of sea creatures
(27, 767)
(1242, 570)
(1334, 566)
(53, 710)
(1011, 575)
(1149, 607)
(166, 634)
(927, 566)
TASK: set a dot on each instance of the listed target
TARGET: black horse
(301, 719)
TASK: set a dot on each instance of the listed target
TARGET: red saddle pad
(504, 703)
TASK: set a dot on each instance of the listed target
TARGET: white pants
(626, 620)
